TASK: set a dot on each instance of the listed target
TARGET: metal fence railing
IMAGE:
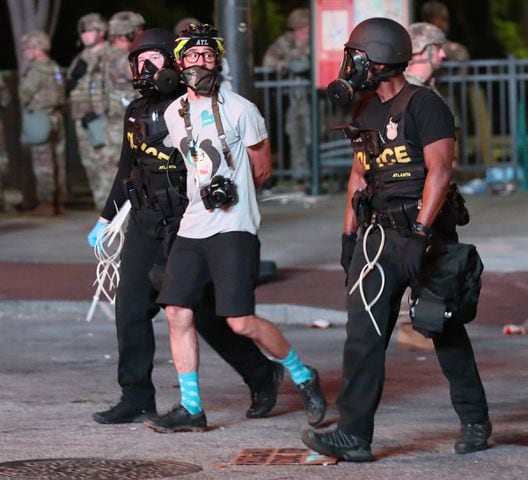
(488, 98)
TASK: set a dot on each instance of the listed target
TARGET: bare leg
(188, 415)
(264, 333)
(271, 340)
(183, 339)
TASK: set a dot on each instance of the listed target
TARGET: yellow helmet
(202, 35)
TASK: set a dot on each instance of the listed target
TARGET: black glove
(413, 253)
(348, 243)
(87, 118)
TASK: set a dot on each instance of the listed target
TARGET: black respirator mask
(351, 78)
(152, 80)
(200, 79)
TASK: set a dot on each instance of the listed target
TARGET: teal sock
(190, 392)
(299, 372)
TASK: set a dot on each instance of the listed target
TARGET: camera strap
(220, 130)
(185, 114)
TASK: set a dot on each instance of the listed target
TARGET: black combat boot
(341, 445)
(473, 437)
(264, 398)
(125, 412)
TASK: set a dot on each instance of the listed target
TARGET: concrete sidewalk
(57, 369)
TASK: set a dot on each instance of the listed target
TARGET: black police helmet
(383, 40)
(153, 39)
(151, 79)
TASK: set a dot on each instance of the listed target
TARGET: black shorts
(230, 260)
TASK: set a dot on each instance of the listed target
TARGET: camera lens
(219, 196)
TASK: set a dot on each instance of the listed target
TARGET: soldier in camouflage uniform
(428, 49)
(118, 91)
(290, 55)
(5, 98)
(85, 86)
(41, 89)
(437, 13)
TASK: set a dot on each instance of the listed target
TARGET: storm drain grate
(281, 456)
(94, 469)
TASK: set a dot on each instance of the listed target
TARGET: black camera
(221, 192)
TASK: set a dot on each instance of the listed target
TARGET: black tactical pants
(364, 351)
(136, 306)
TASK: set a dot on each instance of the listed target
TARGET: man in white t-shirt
(224, 142)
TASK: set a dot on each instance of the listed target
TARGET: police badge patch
(391, 130)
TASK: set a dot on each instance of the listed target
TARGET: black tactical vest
(395, 168)
(158, 177)
(155, 164)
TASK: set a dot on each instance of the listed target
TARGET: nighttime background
(470, 23)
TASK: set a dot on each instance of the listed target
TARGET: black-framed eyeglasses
(192, 57)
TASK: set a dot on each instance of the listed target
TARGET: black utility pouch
(362, 207)
(428, 313)
(132, 194)
(457, 203)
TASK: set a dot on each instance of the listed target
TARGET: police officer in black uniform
(399, 181)
(152, 176)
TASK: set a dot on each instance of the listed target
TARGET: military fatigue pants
(364, 351)
(49, 164)
(111, 152)
(100, 176)
(298, 131)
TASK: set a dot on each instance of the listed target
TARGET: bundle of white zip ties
(107, 271)
(368, 267)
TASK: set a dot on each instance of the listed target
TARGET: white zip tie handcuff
(107, 271)
(369, 266)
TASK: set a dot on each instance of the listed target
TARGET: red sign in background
(335, 19)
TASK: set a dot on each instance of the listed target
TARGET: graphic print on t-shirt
(207, 118)
(206, 162)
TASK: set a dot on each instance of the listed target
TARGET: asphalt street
(56, 368)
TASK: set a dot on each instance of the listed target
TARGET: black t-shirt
(428, 117)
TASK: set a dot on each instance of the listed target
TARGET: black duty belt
(399, 217)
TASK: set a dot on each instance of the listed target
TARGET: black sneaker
(264, 399)
(336, 443)
(124, 412)
(313, 399)
(473, 437)
(178, 420)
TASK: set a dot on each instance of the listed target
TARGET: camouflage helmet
(36, 39)
(424, 34)
(383, 40)
(185, 22)
(298, 18)
(126, 23)
(91, 21)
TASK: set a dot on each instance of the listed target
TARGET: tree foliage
(509, 18)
